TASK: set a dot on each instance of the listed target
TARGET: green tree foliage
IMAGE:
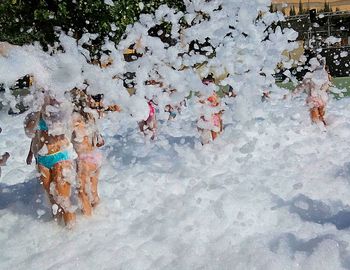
(26, 21)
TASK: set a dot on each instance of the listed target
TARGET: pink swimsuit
(152, 111)
(215, 118)
(315, 102)
(94, 157)
(150, 122)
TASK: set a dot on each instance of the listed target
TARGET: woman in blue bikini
(53, 154)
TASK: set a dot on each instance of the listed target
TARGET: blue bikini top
(42, 126)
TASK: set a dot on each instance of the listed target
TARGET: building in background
(324, 32)
(303, 6)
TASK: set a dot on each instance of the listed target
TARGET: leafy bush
(26, 21)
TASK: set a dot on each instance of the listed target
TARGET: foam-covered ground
(272, 193)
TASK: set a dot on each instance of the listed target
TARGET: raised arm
(29, 158)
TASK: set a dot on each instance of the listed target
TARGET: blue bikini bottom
(49, 161)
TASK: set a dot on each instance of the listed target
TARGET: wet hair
(98, 97)
(80, 102)
(209, 79)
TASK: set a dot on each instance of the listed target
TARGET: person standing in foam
(86, 139)
(54, 154)
(316, 84)
(210, 127)
(149, 126)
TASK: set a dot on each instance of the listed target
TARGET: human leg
(83, 187)
(61, 175)
(214, 135)
(45, 179)
(314, 114)
(322, 112)
(94, 188)
(205, 135)
(154, 129)
(216, 121)
(142, 125)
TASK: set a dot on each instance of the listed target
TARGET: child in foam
(209, 129)
(172, 110)
(53, 153)
(316, 84)
(175, 108)
(86, 139)
(149, 126)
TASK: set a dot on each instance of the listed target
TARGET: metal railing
(324, 14)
